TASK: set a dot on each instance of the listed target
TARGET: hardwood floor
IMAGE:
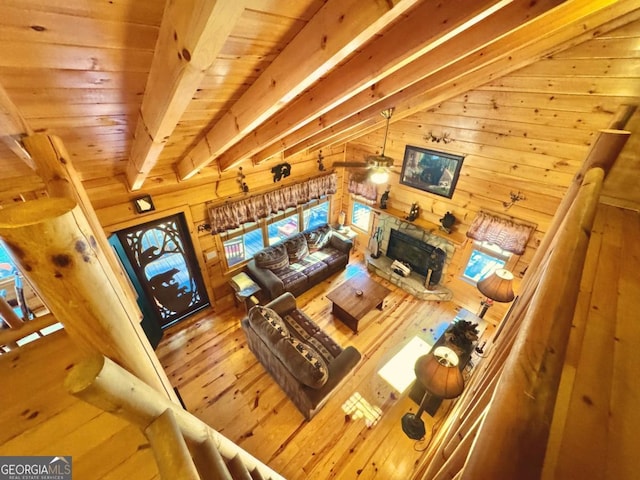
(221, 382)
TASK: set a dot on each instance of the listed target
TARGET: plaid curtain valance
(506, 234)
(234, 214)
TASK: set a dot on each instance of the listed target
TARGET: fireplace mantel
(455, 237)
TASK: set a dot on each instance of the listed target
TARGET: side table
(246, 290)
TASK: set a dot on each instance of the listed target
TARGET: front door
(163, 260)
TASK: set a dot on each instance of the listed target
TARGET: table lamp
(440, 375)
(497, 287)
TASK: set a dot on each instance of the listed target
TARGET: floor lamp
(496, 287)
(440, 375)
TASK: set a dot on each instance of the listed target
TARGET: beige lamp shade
(439, 373)
(498, 286)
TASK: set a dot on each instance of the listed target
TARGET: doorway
(161, 262)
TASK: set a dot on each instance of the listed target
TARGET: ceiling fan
(377, 167)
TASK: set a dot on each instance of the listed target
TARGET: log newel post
(54, 246)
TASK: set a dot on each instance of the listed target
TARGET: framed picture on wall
(430, 170)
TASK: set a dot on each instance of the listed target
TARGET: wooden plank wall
(524, 133)
(113, 203)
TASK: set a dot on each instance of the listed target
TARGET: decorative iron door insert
(163, 259)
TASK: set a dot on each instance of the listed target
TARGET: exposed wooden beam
(457, 49)
(191, 35)
(568, 24)
(336, 31)
(407, 41)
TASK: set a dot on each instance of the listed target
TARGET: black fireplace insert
(420, 256)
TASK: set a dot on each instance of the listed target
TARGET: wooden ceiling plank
(191, 35)
(568, 24)
(475, 38)
(19, 24)
(416, 36)
(72, 57)
(336, 31)
(134, 11)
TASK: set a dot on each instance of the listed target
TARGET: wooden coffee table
(350, 307)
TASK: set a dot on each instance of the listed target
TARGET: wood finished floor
(221, 382)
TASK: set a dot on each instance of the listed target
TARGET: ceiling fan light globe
(379, 177)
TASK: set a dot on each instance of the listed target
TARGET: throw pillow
(303, 362)
(297, 248)
(268, 324)
(272, 258)
(318, 238)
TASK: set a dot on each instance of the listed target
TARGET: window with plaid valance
(364, 188)
(234, 214)
(506, 234)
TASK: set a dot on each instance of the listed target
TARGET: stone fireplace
(417, 247)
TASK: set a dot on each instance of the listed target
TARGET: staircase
(185, 448)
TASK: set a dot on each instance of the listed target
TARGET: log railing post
(54, 246)
(529, 382)
(102, 383)
(53, 163)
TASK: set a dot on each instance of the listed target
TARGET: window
(7, 269)
(283, 229)
(360, 216)
(316, 215)
(241, 244)
(484, 259)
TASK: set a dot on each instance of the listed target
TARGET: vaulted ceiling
(140, 90)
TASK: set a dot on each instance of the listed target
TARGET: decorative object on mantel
(244, 188)
(384, 198)
(439, 374)
(413, 213)
(496, 287)
(430, 171)
(144, 204)
(281, 171)
(447, 222)
(506, 234)
(444, 138)
(321, 166)
(515, 197)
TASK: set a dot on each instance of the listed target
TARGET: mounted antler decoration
(281, 171)
(240, 179)
(444, 138)
(515, 197)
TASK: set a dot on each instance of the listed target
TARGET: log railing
(184, 446)
(500, 426)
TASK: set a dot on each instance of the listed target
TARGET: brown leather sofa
(300, 262)
(306, 363)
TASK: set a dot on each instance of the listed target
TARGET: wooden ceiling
(138, 91)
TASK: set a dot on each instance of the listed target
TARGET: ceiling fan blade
(351, 164)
